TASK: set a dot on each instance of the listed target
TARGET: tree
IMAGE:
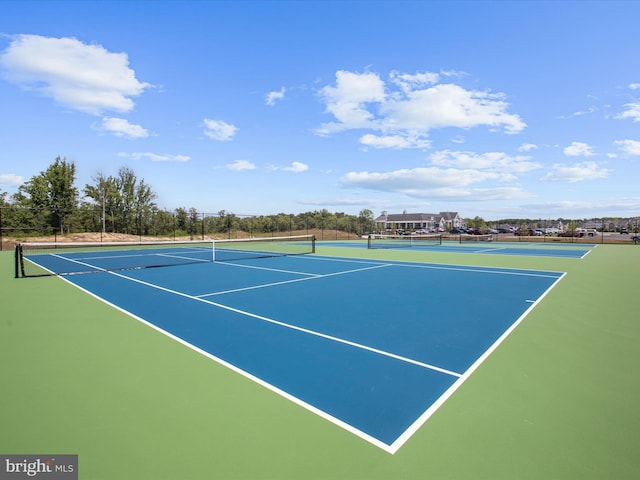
(476, 222)
(102, 193)
(366, 220)
(53, 193)
(195, 225)
(126, 201)
(63, 195)
(126, 186)
(182, 221)
(163, 222)
(143, 206)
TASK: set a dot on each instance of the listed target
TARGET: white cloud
(580, 113)
(81, 76)
(626, 206)
(449, 105)
(409, 179)
(121, 127)
(561, 206)
(273, 97)
(219, 130)
(348, 99)
(394, 141)
(240, 165)
(154, 157)
(578, 149)
(409, 106)
(634, 86)
(527, 147)
(10, 179)
(491, 161)
(632, 112)
(630, 147)
(408, 82)
(432, 182)
(296, 167)
(344, 202)
(453, 73)
(576, 172)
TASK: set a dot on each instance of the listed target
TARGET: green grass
(558, 399)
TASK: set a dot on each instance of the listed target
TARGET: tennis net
(403, 241)
(247, 248)
(476, 238)
(68, 258)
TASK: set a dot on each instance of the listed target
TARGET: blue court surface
(374, 347)
(537, 249)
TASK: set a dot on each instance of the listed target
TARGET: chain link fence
(91, 223)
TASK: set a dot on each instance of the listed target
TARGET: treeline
(50, 203)
(606, 223)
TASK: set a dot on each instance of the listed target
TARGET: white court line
(320, 258)
(529, 273)
(269, 269)
(192, 259)
(100, 269)
(444, 266)
(314, 277)
(491, 249)
(143, 253)
(587, 253)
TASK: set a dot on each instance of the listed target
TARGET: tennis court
(471, 245)
(393, 343)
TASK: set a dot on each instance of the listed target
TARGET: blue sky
(491, 109)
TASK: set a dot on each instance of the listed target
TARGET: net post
(313, 244)
(22, 260)
(213, 250)
(19, 263)
(369, 241)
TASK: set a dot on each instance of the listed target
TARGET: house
(592, 224)
(449, 220)
(419, 221)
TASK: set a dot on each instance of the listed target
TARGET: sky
(504, 109)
